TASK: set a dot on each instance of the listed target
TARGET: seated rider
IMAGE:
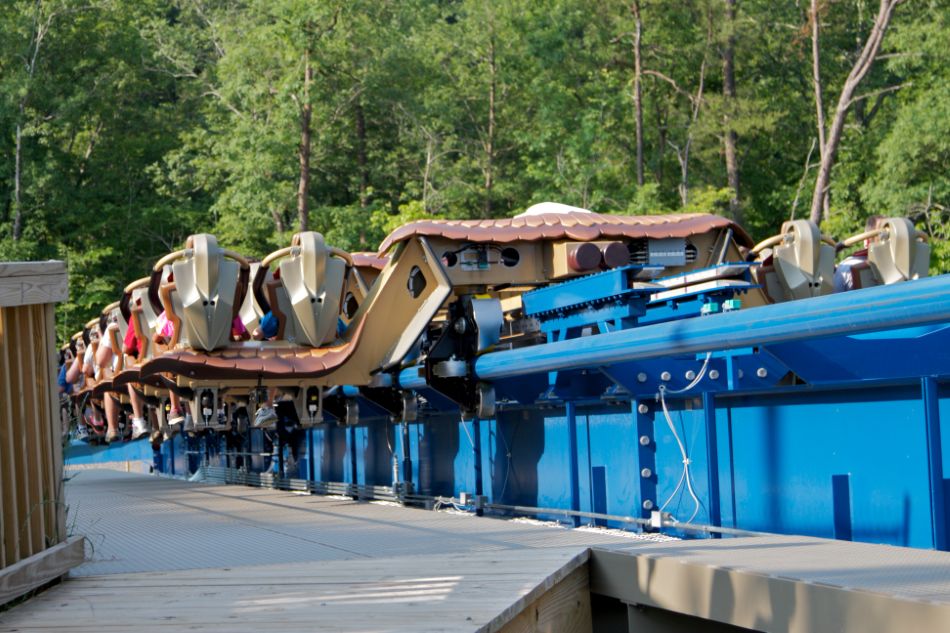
(164, 332)
(266, 331)
(66, 361)
(140, 425)
(844, 280)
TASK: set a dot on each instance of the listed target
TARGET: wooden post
(33, 517)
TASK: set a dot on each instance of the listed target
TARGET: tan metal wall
(32, 511)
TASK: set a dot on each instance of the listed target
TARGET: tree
(729, 137)
(846, 99)
(637, 88)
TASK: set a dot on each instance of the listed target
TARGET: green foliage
(141, 123)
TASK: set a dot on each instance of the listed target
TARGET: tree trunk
(661, 119)
(637, 90)
(815, 17)
(81, 176)
(38, 34)
(278, 220)
(17, 187)
(730, 137)
(306, 114)
(361, 154)
(427, 173)
(858, 72)
(490, 137)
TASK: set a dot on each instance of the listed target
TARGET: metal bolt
(644, 440)
(642, 377)
(665, 376)
(762, 372)
(690, 374)
(646, 473)
(713, 374)
(647, 505)
(643, 409)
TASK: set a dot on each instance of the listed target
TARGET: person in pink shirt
(164, 332)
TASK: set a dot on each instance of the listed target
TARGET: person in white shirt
(844, 279)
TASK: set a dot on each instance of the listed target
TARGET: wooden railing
(34, 545)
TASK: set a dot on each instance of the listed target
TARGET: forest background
(126, 125)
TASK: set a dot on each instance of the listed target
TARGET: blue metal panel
(81, 453)
(612, 473)
(787, 448)
(690, 424)
(465, 459)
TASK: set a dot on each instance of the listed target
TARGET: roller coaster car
(538, 249)
(306, 297)
(492, 263)
(316, 289)
(797, 263)
(896, 252)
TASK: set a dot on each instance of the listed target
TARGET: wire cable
(504, 486)
(467, 434)
(686, 475)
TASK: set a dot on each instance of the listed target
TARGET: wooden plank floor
(424, 593)
(169, 555)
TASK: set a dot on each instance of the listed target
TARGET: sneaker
(168, 432)
(265, 416)
(139, 428)
(155, 436)
(112, 436)
(175, 417)
(82, 433)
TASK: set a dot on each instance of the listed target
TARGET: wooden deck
(168, 555)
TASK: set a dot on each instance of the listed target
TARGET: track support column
(643, 413)
(938, 512)
(477, 456)
(712, 459)
(570, 412)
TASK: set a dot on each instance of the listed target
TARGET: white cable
(467, 434)
(504, 486)
(686, 475)
(695, 381)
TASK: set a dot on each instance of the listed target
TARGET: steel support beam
(570, 412)
(920, 302)
(712, 458)
(938, 512)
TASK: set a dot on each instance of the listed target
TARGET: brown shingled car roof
(234, 363)
(571, 226)
(369, 260)
(243, 361)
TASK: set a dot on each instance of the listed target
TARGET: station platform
(169, 555)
